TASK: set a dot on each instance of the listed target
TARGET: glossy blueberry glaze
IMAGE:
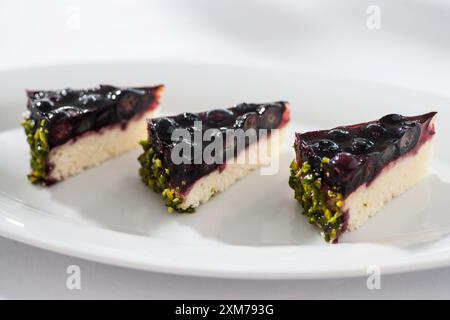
(69, 113)
(356, 154)
(243, 116)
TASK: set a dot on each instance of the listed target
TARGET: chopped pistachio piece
(325, 160)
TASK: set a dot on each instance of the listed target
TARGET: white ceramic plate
(253, 230)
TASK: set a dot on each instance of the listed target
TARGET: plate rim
(104, 253)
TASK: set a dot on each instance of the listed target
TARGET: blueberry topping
(66, 95)
(325, 147)
(405, 126)
(339, 134)
(361, 145)
(390, 152)
(85, 124)
(392, 119)
(105, 118)
(164, 128)
(128, 105)
(371, 166)
(246, 107)
(221, 123)
(187, 119)
(270, 116)
(219, 117)
(247, 121)
(110, 90)
(60, 130)
(87, 109)
(320, 179)
(375, 131)
(44, 105)
(409, 139)
(68, 112)
(344, 162)
(89, 98)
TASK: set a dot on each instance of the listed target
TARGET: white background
(411, 49)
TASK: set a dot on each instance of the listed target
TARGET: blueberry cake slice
(343, 176)
(184, 185)
(71, 130)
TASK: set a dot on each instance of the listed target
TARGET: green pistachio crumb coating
(322, 207)
(156, 176)
(39, 149)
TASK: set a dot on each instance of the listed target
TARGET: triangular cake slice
(343, 176)
(71, 130)
(186, 184)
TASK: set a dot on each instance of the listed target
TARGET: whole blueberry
(164, 128)
(187, 119)
(339, 134)
(409, 138)
(270, 116)
(371, 166)
(246, 107)
(361, 145)
(375, 131)
(325, 147)
(247, 121)
(44, 105)
(392, 118)
(220, 118)
(345, 162)
(390, 152)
